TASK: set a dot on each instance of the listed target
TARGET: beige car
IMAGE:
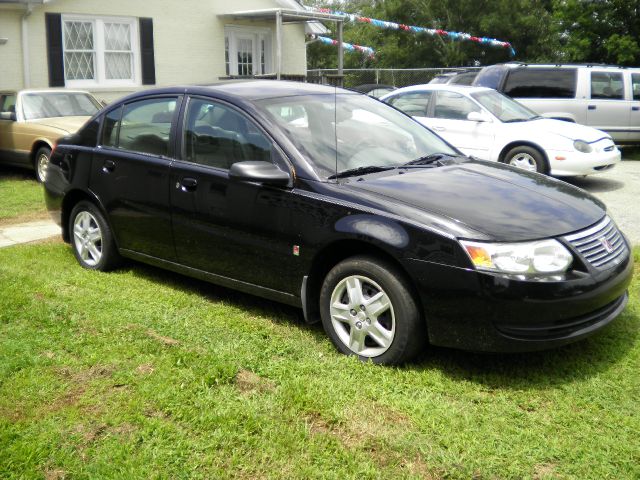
(32, 120)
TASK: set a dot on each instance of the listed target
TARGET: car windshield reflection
(58, 104)
(338, 133)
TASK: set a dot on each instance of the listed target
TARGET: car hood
(570, 130)
(503, 203)
(65, 124)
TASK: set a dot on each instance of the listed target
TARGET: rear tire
(41, 163)
(527, 158)
(91, 238)
(368, 309)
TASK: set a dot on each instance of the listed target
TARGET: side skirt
(245, 287)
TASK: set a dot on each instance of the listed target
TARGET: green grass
(145, 374)
(21, 196)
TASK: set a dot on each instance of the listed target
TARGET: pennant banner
(347, 46)
(459, 36)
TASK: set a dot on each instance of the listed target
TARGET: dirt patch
(55, 474)
(83, 376)
(544, 470)
(25, 218)
(249, 382)
(315, 424)
(164, 340)
(145, 369)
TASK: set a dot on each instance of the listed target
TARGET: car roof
(245, 89)
(464, 89)
(566, 65)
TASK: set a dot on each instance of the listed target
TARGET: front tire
(91, 238)
(368, 310)
(41, 163)
(527, 158)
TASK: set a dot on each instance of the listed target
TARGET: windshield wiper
(428, 159)
(360, 171)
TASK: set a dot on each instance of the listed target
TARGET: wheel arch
(37, 145)
(523, 143)
(332, 254)
(71, 199)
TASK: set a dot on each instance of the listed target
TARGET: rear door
(130, 173)
(237, 230)
(608, 108)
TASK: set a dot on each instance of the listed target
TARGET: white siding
(188, 39)
(10, 52)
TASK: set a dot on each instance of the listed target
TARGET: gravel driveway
(619, 188)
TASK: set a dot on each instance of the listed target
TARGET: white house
(113, 47)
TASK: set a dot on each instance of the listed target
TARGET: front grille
(602, 245)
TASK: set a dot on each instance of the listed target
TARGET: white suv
(603, 97)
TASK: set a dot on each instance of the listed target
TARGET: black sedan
(339, 204)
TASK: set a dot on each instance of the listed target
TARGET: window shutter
(53, 22)
(146, 52)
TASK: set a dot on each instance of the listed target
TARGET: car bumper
(576, 163)
(476, 311)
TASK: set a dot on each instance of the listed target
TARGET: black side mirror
(8, 116)
(261, 172)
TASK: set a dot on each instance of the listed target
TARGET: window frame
(173, 130)
(262, 48)
(99, 51)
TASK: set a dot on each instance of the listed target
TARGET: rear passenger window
(218, 136)
(541, 83)
(607, 85)
(414, 104)
(635, 85)
(145, 126)
(8, 103)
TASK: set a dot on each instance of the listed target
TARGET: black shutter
(53, 22)
(146, 52)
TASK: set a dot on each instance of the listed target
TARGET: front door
(238, 230)
(130, 174)
(450, 122)
(607, 108)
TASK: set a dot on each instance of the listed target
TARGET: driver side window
(454, 106)
(218, 136)
(415, 104)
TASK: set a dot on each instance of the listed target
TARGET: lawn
(144, 374)
(21, 197)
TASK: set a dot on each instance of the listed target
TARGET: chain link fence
(398, 77)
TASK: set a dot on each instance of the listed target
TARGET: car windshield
(342, 132)
(503, 107)
(58, 104)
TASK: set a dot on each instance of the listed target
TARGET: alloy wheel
(362, 316)
(87, 238)
(42, 165)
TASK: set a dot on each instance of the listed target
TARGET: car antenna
(335, 125)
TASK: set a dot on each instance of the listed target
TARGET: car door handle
(591, 107)
(635, 109)
(439, 129)
(108, 166)
(187, 184)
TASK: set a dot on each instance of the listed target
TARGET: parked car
(488, 125)
(603, 97)
(341, 205)
(32, 120)
(375, 90)
(455, 78)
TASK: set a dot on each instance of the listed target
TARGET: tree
(599, 31)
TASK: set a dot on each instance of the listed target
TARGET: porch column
(278, 44)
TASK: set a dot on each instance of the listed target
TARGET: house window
(247, 51)
(100, 51)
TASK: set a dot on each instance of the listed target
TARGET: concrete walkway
(28, 232)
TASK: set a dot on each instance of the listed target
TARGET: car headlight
(582, 146)
(544, 257)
